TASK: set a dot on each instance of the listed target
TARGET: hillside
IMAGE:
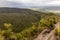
(18, 17)
(25, 24)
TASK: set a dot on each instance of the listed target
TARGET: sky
(17, 3)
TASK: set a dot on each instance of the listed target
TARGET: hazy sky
(31, 2)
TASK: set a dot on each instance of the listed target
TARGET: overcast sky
(30, 2)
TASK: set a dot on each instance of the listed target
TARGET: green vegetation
(25, 24)
(28, 33)
(57, 31)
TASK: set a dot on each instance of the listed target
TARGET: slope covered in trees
(18, 17)
(24, 24)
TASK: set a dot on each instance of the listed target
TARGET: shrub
(57, 31)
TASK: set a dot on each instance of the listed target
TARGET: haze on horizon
(28, 3)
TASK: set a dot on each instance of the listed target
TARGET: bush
(57, 31)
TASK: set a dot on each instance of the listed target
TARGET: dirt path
(41, 35)
(47, 36)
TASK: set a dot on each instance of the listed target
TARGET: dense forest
(25, 24)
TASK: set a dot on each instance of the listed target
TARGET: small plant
(57, 31)
(7, 25)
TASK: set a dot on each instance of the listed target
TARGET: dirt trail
(47, 35)
(41, 35)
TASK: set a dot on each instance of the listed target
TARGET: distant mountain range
(16, 10)
(51, 8)
(47, 8)
(28, 5)
(19, 9)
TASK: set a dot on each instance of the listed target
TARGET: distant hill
(51, 8)
(47, 8)
(20, 10)
(15, 10)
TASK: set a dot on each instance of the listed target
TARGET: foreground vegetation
(28, 33)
